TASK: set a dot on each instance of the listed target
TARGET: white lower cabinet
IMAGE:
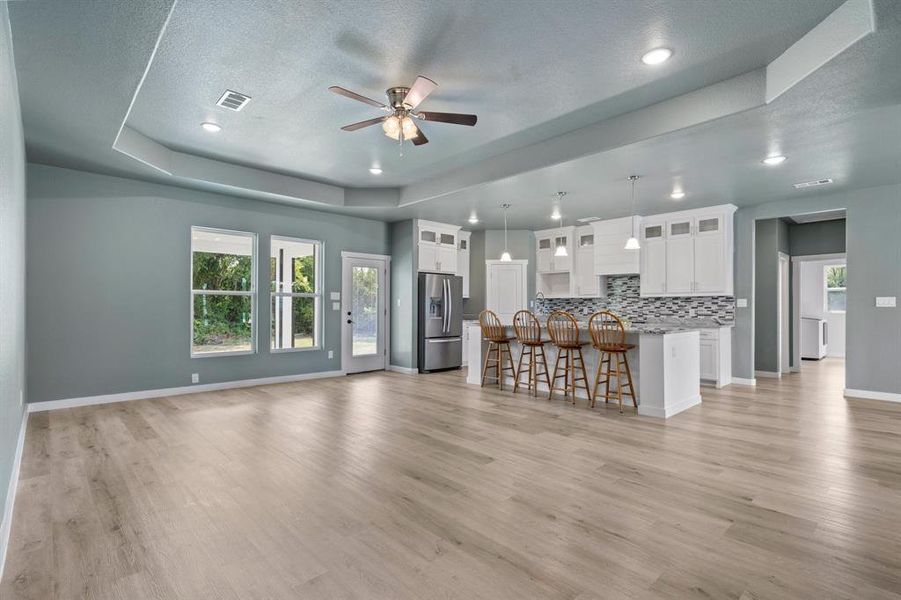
(716, 356)
(467, 327)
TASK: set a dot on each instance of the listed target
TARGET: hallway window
(222, 292)
(836, 293)
(295, 275)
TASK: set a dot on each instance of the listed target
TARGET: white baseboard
(177, 391)
(871, 395)
(407, 370)
(768, 374)
(672, 410)
(6, 524)
(743, 380)
(795, 369)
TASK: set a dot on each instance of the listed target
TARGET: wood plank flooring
(394, 486)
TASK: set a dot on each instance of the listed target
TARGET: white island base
(665, 368)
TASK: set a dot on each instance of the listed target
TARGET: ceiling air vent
(588, 219)
(233, 100)
(815, 183)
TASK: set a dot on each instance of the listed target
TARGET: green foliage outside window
(222, 320)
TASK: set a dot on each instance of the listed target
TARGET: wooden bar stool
(528, 333)
(499, 344)
(608, 337)
(564, 332)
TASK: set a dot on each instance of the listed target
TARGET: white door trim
(346, 347)
(783, 318)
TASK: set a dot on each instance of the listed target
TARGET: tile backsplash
(623, 298)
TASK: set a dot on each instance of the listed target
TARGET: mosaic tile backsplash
(624, 299)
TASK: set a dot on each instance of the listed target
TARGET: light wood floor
(422, 487)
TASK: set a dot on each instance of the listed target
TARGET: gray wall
(825, 237)
(475, 304)
(12, 263)
(108, 283)
(403, 315)
(874, 252)
(771, 239)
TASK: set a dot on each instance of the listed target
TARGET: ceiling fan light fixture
(392, 127)
(409, 128)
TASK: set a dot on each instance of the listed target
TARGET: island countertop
(651, 328)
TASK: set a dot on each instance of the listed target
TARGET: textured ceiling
(522, 66)
(530, 70)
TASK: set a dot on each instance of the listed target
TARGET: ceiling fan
(399, 124)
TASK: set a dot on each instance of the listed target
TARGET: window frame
(827, 289)
(318, 306)
(252, 294)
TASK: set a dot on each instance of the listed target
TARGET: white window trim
(320, 283)
(827, 289)
(254, 312)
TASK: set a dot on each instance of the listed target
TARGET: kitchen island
(665, 364)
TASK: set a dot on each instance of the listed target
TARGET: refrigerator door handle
(444, 340)
(450, 305)
(446, 304)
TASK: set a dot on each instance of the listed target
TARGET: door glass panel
(586, 240)
(544, 244)
(447, 238)
(427, 236)
(462, 244)
(365, 309)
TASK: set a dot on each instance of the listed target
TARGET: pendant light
(560, 250)
(505, 257)
(632, 242)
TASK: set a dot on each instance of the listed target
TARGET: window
(295, 276)
(222, 291)
(836, 294)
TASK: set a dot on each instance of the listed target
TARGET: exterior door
(364, 312)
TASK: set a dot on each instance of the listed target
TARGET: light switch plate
(336, 306)
(335, 295)
(331, 354)
(885, 301)
(195, 377)
(741, 303)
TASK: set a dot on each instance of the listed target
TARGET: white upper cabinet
(547, 242)
(653, 259)
(688, 253)
(610, 255)
(555, 276)
(586, 279)
(463, 260)
(437, 244)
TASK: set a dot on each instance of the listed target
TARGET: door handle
(350, 321)
(444, 340)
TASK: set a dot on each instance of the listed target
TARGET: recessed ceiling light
(677, 195)
(656, 56)
(772, 161)
(211, 127)
(375, 170)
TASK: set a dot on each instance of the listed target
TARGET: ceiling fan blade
(420, 138)
(362, 124)
(355, 96)
(442, 117)
(422, 87)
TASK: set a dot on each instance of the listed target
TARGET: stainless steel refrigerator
(440, 322)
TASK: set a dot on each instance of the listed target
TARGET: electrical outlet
(195, 377)
(336, 306)
(331, 354)
(398, 303)
(741, 303)
(885, 301)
